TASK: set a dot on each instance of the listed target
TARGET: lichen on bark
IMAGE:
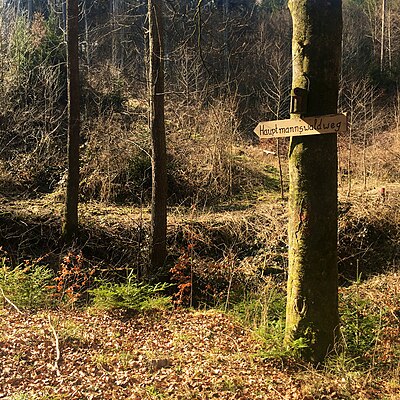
(312, 305)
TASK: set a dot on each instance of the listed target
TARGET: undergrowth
(367, 352)
(26, 285)
(264, 312)
(132, 295)
(32, 286)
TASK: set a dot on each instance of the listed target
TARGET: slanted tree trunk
(312, 305)
(158, 250)
(70, 225)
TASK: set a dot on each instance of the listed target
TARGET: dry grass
(374, 166)
(116, 162)
(369, 230)
(209, 161)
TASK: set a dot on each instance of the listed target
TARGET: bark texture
(70, 225)
(158, 250)
(312, 305)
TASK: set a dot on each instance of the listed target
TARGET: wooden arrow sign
(333, 123)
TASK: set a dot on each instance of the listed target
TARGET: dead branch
(58, 353)
(9, 301)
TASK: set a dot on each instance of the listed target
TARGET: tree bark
(383, 18)
(158, 250)
(70, 225)
(30, 10)
(312, 304)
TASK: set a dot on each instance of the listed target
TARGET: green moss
(312, 307)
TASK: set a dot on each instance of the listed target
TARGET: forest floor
(199, 353)
(181, 354)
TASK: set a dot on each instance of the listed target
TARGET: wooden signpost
(302, 126)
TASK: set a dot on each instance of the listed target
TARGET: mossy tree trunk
(312, 305)
(70, 224)
(158, 250)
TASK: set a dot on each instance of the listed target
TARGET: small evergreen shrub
(131, 295)
(360, 326)
(27, 285)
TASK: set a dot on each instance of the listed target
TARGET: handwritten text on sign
(302, 126)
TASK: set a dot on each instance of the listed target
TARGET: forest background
(228, 66)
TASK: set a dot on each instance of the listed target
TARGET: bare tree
(358, 100)
(277, 86)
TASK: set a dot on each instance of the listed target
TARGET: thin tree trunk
(397, 111)
(113, 32)
(85, 16)
(64, 14)
(383, 17)
(158, 250)
(279, 155)
(70, 226)
(225, 16)
(30, 10)
(312, 305)
(350, 152)
(373, 116)
(364, 152)
(389, 37)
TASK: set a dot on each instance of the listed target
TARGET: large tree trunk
(70, 225)
(312, 305)
(158, 250)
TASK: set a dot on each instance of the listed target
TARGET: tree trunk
(383, 18)
(87, 48)
(312, 304)
(114, 32)
(64, 14)
(158, 250)
(70, 226)
(30, 10)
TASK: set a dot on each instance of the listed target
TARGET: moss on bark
(312, 308)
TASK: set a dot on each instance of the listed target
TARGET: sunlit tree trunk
(70, 225)
(312, 305)
(158, 250)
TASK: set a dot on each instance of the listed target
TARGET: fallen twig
(9, 301)
(58, 353)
